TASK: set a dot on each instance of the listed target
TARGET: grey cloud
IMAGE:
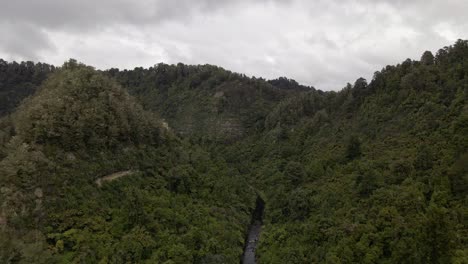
(92, 14)
(324, 43)
(23, 40)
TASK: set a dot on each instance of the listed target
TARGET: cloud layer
(324, 43)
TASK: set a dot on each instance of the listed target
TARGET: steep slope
(18, 81)
(206, 101)
(81, 126)
(376, 173)
(200, 101)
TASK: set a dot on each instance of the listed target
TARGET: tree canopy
(167, 165)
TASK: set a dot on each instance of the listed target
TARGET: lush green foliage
(179, 206)
(375, 173)
(205, 101)
(18, 81)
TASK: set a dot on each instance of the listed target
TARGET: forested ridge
(374, 173)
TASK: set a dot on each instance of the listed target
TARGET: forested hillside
(197, 101)
(19, 80)
(374, 173)
(206, 101)
(178, 204)
(377, 173)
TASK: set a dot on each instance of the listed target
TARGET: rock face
(38, 192)
(218, 94)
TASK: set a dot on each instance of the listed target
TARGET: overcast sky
(323, 43)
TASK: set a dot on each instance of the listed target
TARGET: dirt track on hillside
(113, 176)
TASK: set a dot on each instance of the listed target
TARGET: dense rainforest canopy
(165, 164)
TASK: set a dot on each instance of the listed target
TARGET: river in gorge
(253, 236)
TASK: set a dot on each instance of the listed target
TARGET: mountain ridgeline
(167, 165)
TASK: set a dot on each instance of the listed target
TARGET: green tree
(427, 58)
(353, 148)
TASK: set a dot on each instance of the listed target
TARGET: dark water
(254, 233)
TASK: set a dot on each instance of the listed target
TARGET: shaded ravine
(254, 233)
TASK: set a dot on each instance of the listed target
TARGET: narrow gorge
(254, 233)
